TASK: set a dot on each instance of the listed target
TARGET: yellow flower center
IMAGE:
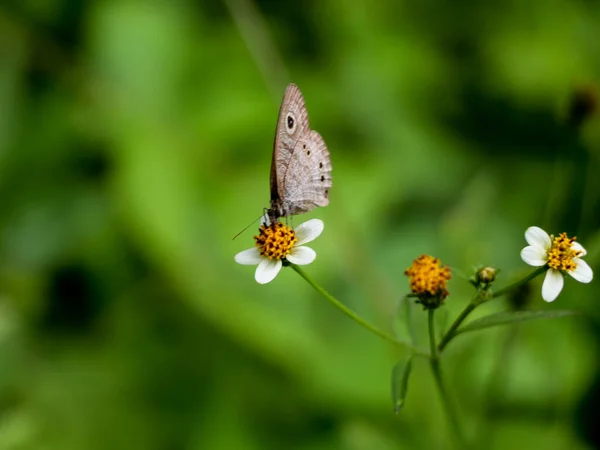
(561, 254)
(428, 278)
(275, 241)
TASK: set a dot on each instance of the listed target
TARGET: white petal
(534, 256)
(577, 246)
(536, 237)
(301, 256)
(267, 270)
(248, 257)
(583, 273)
(553, 284)
(309, 231)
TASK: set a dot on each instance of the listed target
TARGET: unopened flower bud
(486, 275)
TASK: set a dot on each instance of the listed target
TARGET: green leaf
(508, 317)
(400, 374)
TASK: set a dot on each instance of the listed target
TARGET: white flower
(561, 254)
(278, 242)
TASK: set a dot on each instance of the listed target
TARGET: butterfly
(301, 164)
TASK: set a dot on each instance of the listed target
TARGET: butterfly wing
(292, 124)
(307, 179)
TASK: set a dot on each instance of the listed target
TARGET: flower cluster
(277, 244)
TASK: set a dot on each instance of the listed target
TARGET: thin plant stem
(528, 278)
(439, 381)
(354, 316)
(254, 30)
(452, 330)
(431, 323)
(480, 298)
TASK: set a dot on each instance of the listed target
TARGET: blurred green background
(135, 141)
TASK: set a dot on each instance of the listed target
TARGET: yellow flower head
(562, 254)
(275, 241)
(428, 279)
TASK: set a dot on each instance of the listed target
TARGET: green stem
(452, 330)
(478, 299)
(432, 346)
(437, 374)
(528, 278)
(362, 322)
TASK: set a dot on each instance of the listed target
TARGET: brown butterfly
(301, 165)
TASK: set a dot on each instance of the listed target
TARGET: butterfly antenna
(248, 226)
